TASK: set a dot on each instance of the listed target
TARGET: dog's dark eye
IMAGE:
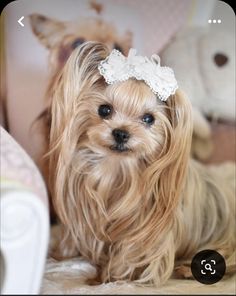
(77, 43)
(148, 119)
(105, 111)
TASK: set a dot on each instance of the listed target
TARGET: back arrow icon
(20, 21)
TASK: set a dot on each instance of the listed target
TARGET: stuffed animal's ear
(49, 31)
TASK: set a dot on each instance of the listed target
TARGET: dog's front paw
(183, 272)
(59, 250)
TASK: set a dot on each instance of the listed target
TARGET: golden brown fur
(137, 214)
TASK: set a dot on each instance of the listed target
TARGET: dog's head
(61, 38)
(122, 120)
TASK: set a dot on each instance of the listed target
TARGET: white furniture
(24, 221)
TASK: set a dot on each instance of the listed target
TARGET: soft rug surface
(67, 277)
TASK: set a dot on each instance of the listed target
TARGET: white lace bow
(116, 67)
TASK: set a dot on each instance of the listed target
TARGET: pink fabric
(18, 169)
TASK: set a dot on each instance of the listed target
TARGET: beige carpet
(67, 277)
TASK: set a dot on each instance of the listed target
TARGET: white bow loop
(116, 67)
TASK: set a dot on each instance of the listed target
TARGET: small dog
(61, 38)
(129, 198)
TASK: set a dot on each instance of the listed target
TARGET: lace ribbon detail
(116, 68)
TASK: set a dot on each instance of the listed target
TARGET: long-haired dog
(129, 198)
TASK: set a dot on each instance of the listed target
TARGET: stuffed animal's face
(217, 67)
(204, 64)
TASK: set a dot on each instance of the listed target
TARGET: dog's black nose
(120, 136)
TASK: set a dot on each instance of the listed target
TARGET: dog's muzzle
(121, 137)
(119, 148)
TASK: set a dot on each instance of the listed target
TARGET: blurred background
(195, 37)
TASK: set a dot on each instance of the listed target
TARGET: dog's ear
(48, 30)
(79, 77)
(167, 174)
(177, 154)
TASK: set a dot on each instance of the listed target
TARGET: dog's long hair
(131, 214)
